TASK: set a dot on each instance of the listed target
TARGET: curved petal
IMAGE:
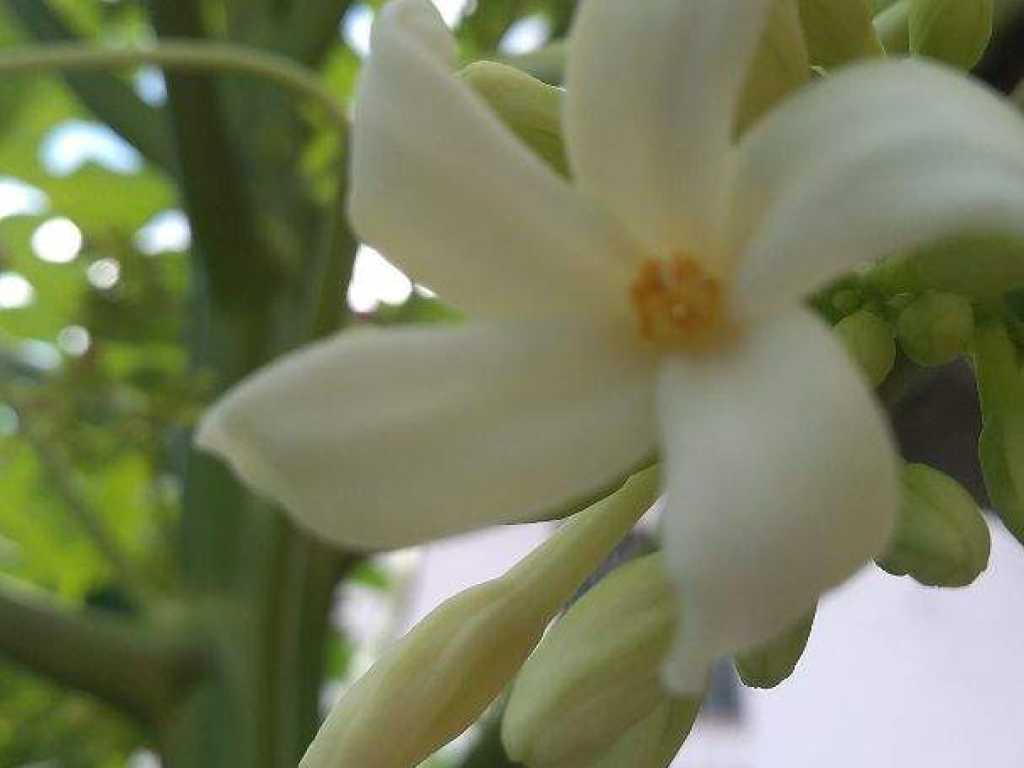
(875, 161)
(652, 93)
(782, 480)
(388, 438)
(445, 191)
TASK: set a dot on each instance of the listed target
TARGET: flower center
(677, 303)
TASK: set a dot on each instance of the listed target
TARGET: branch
(182, 55)
(111, 100)
(138, 671)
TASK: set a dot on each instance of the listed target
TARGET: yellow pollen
(677, 303)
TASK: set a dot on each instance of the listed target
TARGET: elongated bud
(532, 110)
(838, 31)
(953, 31)
(1001, 447)
(653, 741)
(869, 340)
(440, 677)
(780, 65)
(941, 538)
(592, 686)
(768, 665)
(936, 328)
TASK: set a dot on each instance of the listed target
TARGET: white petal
(782, 481)
(652, 91)
(445, 191)
(878, 160)
(387, 438)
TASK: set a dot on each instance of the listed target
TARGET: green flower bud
(954, 31)
(997, 266)
(780, 65)
(847, 301)
(935, 328)
(592, 687)
(532, 110)
(440, 677)
(768, 665)
(941, 538)
(838, 31)
(1001, 447)
(869, 340)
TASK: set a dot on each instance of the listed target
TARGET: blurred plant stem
(112, 100)
(145, 672)
(179, 55)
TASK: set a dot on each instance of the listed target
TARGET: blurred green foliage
(91, 425)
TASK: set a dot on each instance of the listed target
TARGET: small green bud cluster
(929, 327)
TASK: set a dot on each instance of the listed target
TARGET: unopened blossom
(651, 304)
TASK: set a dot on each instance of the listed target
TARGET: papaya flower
(651, 305)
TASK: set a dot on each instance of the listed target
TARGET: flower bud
(780, 64)
(869, 340)
(941, 538)
(838, 31)
(997, 266)
(440, 677)
(532, 110)
(953, 31)
(653, 741)
(1001, 447)
(935, 328)
(592, 687)
(768, 665)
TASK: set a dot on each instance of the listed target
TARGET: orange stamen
(677, 303)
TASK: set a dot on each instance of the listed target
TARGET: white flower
(651, 304)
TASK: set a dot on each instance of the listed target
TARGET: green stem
(142, 673)
(183, 55)
(107, 96)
